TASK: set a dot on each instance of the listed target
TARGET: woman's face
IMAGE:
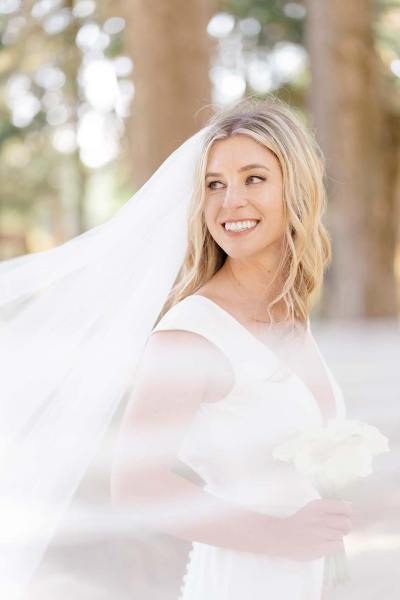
(244, 183)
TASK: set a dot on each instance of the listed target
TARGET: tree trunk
(355, 129)
(169, 45)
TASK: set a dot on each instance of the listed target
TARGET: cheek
(210, 214)
(273, 205)
(207, 218)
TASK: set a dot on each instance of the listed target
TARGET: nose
(234, 196)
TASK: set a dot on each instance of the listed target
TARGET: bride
(192, 304)
(231, 369)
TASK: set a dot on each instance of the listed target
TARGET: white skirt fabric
(221, 574)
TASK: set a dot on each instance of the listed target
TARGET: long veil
(73, 323)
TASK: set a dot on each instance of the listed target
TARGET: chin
(240, 252)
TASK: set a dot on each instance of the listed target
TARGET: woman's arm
(183, 509)
(172, 381)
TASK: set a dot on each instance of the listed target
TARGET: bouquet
(333, 456)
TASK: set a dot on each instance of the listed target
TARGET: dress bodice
(229, 442)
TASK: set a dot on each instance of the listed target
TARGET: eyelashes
(210, 184)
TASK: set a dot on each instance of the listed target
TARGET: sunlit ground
(97, 557)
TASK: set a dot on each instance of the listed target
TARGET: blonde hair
(307, 246)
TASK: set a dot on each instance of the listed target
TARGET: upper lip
(237, 220)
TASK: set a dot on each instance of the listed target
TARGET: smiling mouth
(239, 221)
(238, 230)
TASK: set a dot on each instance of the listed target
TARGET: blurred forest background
(95, 94)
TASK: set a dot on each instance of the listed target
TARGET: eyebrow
(245, 168)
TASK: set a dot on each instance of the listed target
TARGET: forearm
(183, 509)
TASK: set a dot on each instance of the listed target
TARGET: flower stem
(336, 569)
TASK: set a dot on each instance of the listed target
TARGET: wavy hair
(307, 246)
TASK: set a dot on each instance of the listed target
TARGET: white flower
(336, 454)
(331, 457)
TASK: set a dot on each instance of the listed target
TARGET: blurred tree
(258, 50)
(170, 50)
(355, 107)
(64, 95)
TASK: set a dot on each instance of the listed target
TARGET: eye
(216, 185)
(255, 177)
(212, 185)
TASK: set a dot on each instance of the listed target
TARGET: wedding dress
(229, 445)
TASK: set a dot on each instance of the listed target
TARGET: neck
(255, 284)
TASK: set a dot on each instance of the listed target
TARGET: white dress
(229, 445)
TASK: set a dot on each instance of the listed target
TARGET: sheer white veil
(73, 323)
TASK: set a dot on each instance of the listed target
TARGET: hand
(314, 531)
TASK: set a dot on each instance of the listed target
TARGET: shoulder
(190, 314)
(189, 325)
(186, 345)
(173, 350)
(178, 367)
(177, 345)
(176, 313)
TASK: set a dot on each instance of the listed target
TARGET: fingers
(337, 507)
(340, 522)
(335, 527)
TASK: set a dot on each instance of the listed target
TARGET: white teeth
(240, 225)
